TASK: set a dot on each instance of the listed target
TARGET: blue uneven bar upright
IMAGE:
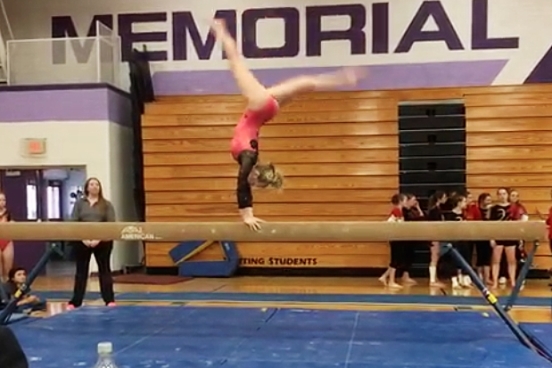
(493, 301)
(521, 278)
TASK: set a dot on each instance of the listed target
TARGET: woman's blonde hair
(268, 176)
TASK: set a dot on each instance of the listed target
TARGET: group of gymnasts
(490, 255)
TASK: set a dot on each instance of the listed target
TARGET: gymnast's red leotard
(246, 132)
(245, 146)
(5, 217)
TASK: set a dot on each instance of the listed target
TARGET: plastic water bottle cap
(105, 348)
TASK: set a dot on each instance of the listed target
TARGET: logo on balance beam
(183, 253)
(136, 233)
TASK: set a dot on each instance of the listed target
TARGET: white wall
(100, 146)
(68, 143)
(506, 18)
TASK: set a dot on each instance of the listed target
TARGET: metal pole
(521, 277)
(20, 293)
(98, 42)
(490, 297)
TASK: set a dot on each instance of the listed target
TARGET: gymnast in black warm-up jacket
(397, 248)
(411, 212)
(459, 277)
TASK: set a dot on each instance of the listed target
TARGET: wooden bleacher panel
(508, 137)
(339, 154)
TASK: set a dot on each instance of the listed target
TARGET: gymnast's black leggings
(397, 255)
(402, 256)
(466, 250)
(484, 253)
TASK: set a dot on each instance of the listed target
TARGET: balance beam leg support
(12, 305)
(521, 278)
(490, 297)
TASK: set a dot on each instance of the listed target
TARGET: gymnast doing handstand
(263, 105)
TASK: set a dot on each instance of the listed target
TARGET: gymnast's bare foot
(409, 281)
(437, 284)
(353, 74)
(383, 280)
(394, 285)
(218, 28)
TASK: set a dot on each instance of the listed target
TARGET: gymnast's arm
(247, 161)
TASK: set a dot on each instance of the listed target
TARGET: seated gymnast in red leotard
(263, 105)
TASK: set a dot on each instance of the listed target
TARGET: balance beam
(277, 231)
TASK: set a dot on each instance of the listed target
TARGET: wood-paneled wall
(339, 154)
(508, 145)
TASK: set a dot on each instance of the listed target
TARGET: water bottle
(105, 359)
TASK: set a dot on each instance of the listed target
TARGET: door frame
(42, 212)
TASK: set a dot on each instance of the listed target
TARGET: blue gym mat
(540, 334)
(307, 298)
(166, 337)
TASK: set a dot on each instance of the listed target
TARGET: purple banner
(449, 74)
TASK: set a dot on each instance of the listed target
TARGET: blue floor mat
(187, 337)
(540, 334)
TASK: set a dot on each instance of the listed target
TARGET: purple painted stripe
(69, 104)
(423, 75)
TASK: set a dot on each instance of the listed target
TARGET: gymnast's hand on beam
(253, 222)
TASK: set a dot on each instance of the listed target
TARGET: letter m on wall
(64, 27)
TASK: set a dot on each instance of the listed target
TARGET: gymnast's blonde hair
(268, 176)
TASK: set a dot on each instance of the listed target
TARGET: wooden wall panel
(290, 170)
(305, 254)
(311, 117)
(272, 144)
(311, 156)
(269, 196)
(508, 139)
(339, 154)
